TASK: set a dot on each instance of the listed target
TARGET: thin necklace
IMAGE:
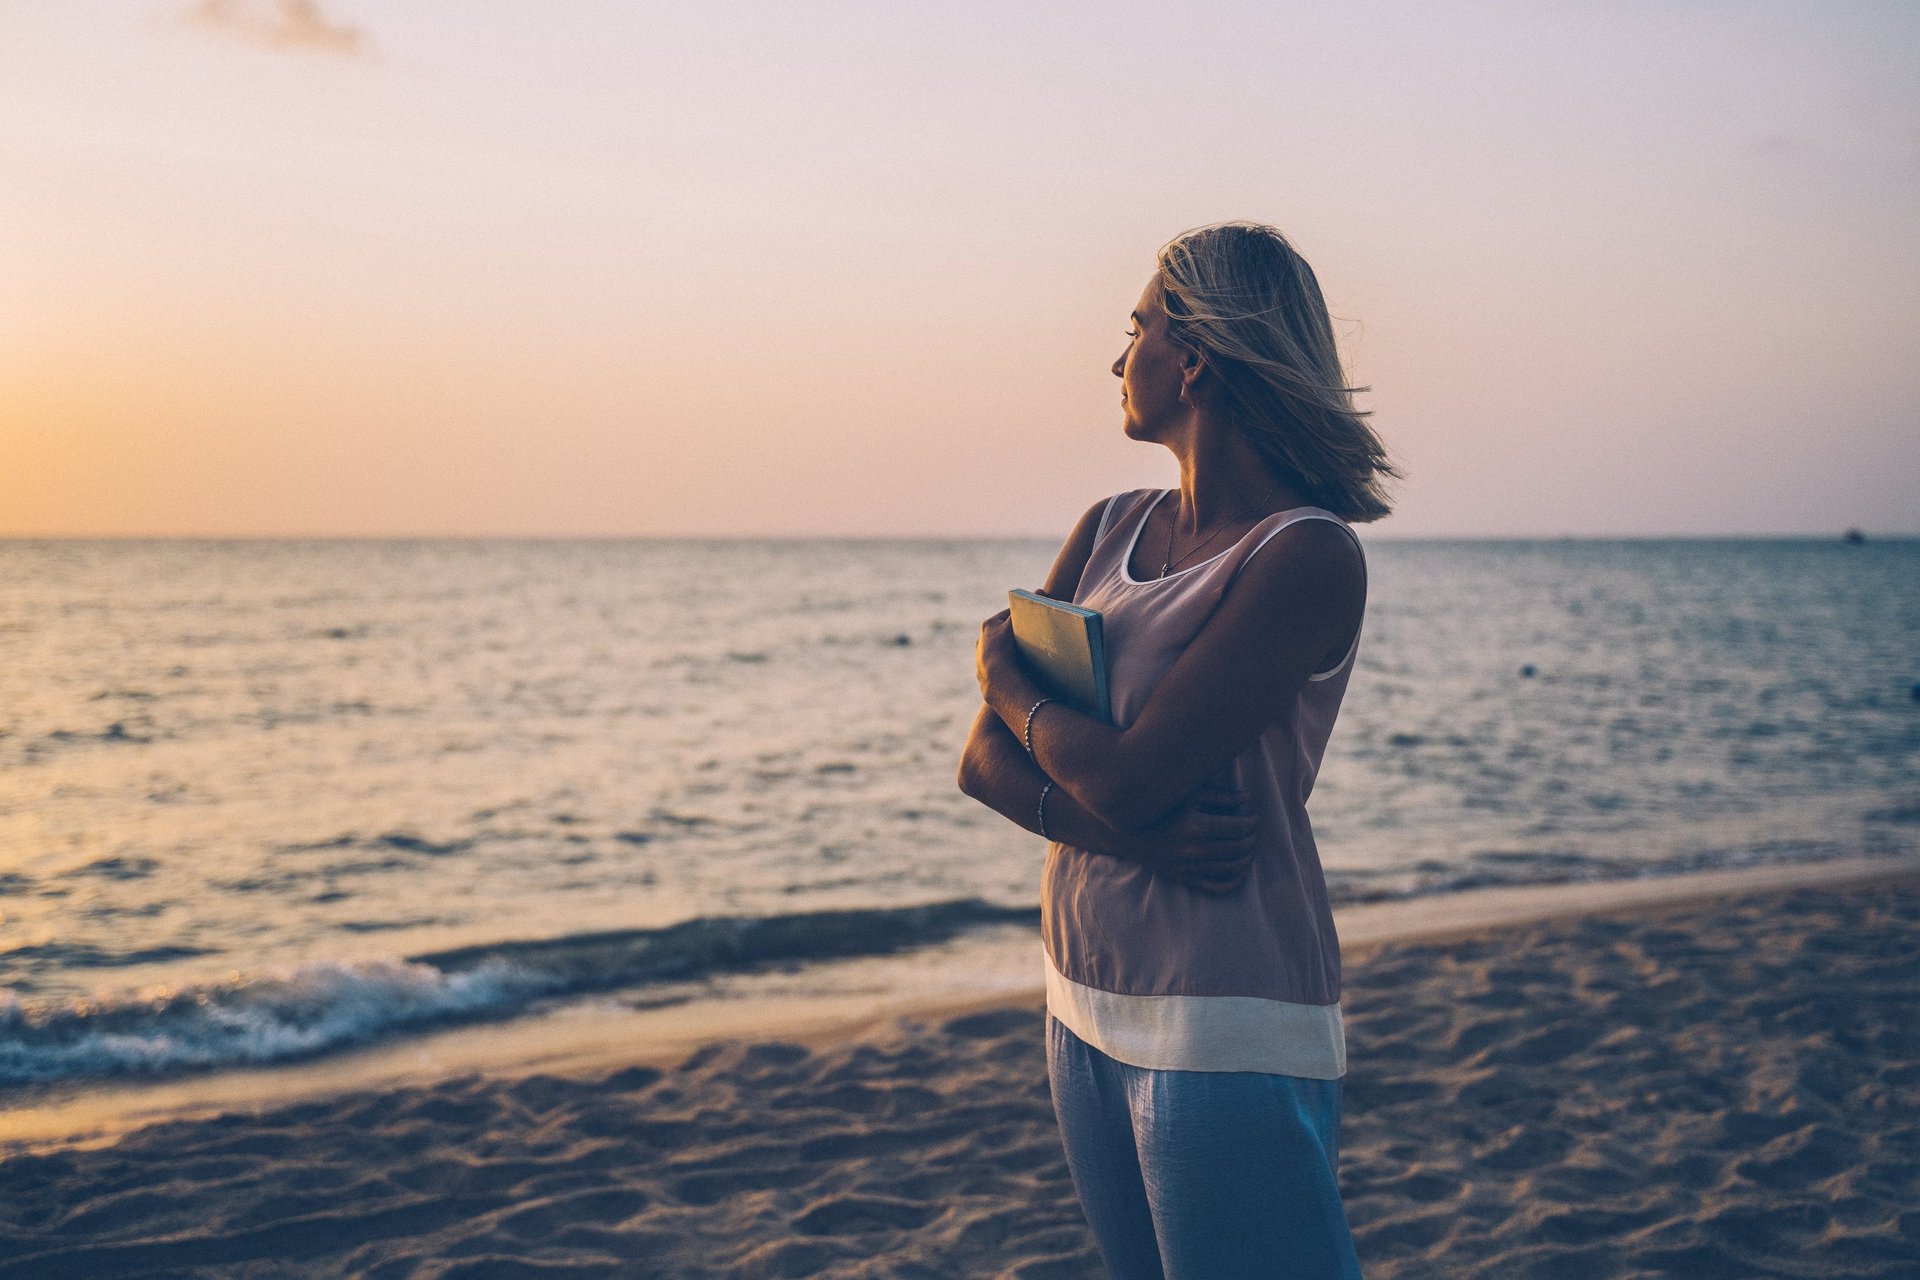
(1173, 521)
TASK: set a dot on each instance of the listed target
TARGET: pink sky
(612, 269)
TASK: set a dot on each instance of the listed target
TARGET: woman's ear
(1192, 366)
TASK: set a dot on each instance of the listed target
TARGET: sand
(1727, 1087)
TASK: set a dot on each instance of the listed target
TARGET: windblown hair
(1238, 293)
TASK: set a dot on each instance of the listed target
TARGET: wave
(1501, 869)
(325, 1006)
(329, 1005)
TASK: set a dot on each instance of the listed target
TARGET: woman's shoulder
(1306, 589)
(1307, 552)
(1110, 513)
(1115, 510)
(1307, 530)
(1096, 528)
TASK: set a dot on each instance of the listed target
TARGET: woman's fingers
(995, 633)
(1229, 836)
(1213, 882)
(1210, 841)
(1222, 826)
(1220, 852)
(1214, 863)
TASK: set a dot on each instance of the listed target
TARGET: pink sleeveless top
(1162, 976)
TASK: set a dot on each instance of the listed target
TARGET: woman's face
(1152, 370)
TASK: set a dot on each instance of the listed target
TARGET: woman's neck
(1223, 479)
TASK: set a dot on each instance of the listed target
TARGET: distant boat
(1853, 537)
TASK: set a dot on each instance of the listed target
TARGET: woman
(1194, 1038)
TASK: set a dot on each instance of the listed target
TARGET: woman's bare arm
(994, 768)
(1289, 613)
(1205, 842)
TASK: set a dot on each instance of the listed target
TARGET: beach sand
(1721, 1086)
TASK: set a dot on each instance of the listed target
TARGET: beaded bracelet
(1026, 736)
(1043, 809)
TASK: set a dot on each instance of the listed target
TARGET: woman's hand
(996, 660)
(1206, 844)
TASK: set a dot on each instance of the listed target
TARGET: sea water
(262, 799)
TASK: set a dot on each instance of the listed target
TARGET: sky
(610, 269)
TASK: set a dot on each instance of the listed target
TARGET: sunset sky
(483, 268)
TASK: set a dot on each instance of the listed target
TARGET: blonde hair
(1239, 294)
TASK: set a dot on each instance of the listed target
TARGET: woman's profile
(1194, 1037)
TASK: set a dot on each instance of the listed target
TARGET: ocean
(263, 800)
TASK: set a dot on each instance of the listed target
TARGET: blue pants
(1202, 1175)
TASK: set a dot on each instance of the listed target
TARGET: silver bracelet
(1026, 735)
(1043, 809)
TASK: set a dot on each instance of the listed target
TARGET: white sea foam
(317, 1007)
(267, 1018)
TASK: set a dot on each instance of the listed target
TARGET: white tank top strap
(1111, 540)
(1298, 514)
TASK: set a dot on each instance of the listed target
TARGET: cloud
(297, 25)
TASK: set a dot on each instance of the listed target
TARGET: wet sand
(1721, 1087)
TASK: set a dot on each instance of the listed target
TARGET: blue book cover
(1062, 645)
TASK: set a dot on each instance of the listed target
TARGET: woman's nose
(1119, 365)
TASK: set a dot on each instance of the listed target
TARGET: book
(1063, 646)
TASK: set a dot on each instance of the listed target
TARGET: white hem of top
(1203, 1033)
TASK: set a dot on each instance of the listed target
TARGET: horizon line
(1841, 536)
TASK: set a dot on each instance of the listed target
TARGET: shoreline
(1709, 1080)
(817, 1006)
